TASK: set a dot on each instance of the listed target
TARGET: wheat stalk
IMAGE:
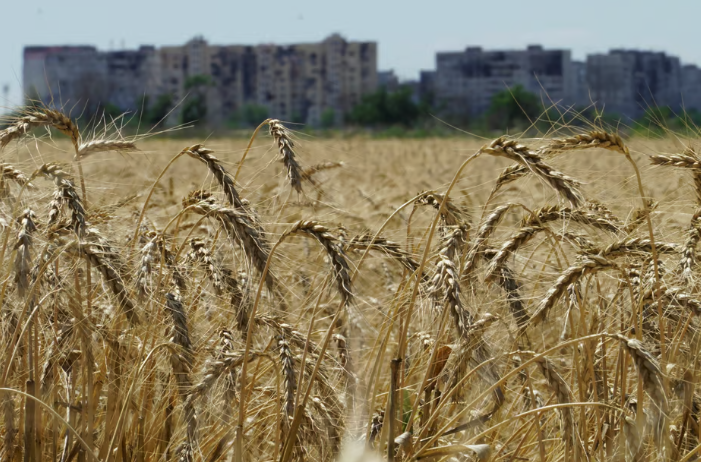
(181, 361)
(652, 379)
(23, 245)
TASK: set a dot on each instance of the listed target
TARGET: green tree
(385, 109)
(254, 114)
(328, 118)
(195, 106)
(514, 107)
(155, 113)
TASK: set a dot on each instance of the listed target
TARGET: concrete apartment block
(80, 78)
(691, 87)
(466, 81)
(627, 82)
(296, 83)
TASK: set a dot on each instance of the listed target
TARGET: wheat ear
(108, 262)
(23, 245)
(512, 150)
(483, 233)
(334, 250)
(452, 214)
(506, 279)
(40, 118)
(8, 172)
(593, 139)
(688, 262)
(239, 226)
(635, 245)
(389, 248)
(533, 224)
(95, 146)
(225, 180)
(286, 147)
(446, 282)
(65, 194)
(588, 265)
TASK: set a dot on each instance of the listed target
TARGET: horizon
(407, 41)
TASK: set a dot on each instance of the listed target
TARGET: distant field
(143, 305)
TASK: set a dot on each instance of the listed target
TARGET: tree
(515, 107)
(328, 118)
(385, 109)
(158, 111)
(195, 106)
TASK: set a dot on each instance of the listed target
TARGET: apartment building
(298, 83)
(466, 81)
(628, 82)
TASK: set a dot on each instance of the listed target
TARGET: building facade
(298, 83)
(628, 82)
(466, 81)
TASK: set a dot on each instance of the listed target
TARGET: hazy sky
(408, 32)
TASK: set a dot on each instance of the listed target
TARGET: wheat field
(349, 299)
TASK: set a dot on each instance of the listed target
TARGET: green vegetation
(384, 109)
(250, 115)
(513, 108)
(195, 105)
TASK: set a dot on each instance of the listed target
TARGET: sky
(409, 32)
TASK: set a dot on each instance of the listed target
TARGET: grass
(347, 298)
